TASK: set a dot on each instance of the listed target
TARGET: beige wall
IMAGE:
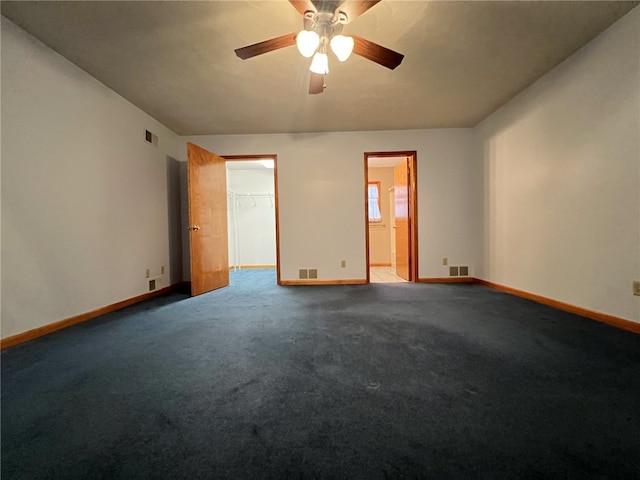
(321, 198)
(562, 179)
(380, 234)
(84, 197)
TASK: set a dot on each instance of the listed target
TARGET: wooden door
(402, 224)
(209, 242)
(392, 222)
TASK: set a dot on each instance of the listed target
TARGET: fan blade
(266, 46)
(355, 8)
(376, 53)
(316, 83)
(303, 6)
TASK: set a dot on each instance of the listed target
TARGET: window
(373, 189)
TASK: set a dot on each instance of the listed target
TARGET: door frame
(413, 207)
(274, 157)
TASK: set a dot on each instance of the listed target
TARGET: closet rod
(249, 195)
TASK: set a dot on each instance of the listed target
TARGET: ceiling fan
(323, 21)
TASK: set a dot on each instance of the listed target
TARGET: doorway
(252, 212)
(391, 216)
(209, 217)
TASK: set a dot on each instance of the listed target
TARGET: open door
(403, 219)
(392, 230)
(402, 226)
(207, 180)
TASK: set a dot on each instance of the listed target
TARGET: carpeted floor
(360, 382)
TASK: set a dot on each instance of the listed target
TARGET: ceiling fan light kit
(323, 22)
(320, 63)
(307, 42)
(342, 47)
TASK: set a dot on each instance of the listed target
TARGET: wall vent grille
(150, 137)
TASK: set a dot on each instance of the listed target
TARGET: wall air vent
(453, 271)
(150, 137)
(464, 271)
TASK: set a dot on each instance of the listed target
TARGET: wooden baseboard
(593, 315)
(83, 317)
(379, 264)
(52, 327)
(351, 281)
(446, 280)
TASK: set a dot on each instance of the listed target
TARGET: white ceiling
(176, 61)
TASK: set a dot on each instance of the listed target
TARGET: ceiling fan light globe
(342, 46)
(307, 42)
(320, 63)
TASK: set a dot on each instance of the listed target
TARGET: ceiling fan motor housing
(325, 24)
(327, 6)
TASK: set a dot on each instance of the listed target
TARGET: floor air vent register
(458, 271)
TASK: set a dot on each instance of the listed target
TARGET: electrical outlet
(162, 270)
(636, 288)
(445, 261)
(146, 273)
(343, 263)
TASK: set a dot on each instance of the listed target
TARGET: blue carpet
(364, 381)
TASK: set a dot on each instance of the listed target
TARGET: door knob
(193, 228)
